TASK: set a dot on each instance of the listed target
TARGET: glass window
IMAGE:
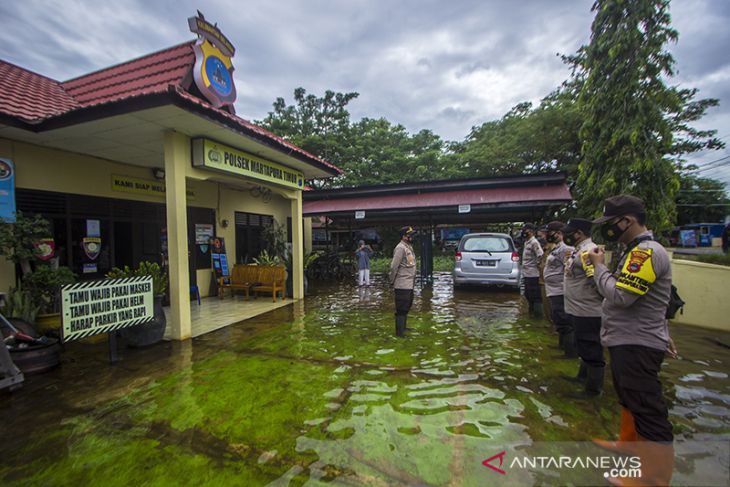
(487, 244)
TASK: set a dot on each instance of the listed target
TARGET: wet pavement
(321, 392)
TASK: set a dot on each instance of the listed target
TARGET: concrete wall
(704, 287)
(66, 172)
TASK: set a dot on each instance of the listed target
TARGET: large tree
(635, 128)
(526, 140)
(370, 151)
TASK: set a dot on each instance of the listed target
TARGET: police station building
(147, 160)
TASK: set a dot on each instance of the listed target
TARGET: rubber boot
(537, 310)
(626, 437)
(657, 464)
(569, 345)
(400, 325)
(580, 378)
(594, 381)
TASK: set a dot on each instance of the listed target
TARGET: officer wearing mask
(554, 273)
(531, 254)
(547, 247)
(403, 278)
(583, 304)
(635, 331)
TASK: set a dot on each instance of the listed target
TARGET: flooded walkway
(321, 392)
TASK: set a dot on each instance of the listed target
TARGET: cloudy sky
(444, 66)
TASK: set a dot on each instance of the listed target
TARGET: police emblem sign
(213, 71)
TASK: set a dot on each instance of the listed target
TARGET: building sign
(359, 215)
(7, 191)
(203, 233)
(213, 71)
(149, 187)
(93, 307)
(464, 208)
(212, 155)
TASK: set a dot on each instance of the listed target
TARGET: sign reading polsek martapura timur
(93, 307)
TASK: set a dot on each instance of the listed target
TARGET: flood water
(322, 393)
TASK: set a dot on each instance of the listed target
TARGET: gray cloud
(445, 66)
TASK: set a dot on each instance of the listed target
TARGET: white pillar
(177, 159)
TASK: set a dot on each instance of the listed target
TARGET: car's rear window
(487, 244)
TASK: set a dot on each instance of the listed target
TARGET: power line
(710, 165)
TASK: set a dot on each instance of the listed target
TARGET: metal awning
(490, 200)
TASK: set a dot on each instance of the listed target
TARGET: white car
(487, 259)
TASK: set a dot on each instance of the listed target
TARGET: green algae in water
(330, 396)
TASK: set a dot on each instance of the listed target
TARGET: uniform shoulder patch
(637, 274)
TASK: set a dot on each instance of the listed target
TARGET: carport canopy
(475, 201)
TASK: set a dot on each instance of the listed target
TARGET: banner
(93, 307)
(7, 190)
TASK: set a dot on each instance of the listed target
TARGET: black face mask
(569, 239)
(611, 232)
(541, 241)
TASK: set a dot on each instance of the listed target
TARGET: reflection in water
(322, 390)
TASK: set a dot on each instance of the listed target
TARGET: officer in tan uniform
(554, 274)
(583, 304)
(635, 330)
(403, 278)
(531, 254)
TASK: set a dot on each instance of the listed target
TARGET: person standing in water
(403, 278)
(531, 254)
(363, 254)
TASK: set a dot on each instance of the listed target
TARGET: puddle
(324, 392)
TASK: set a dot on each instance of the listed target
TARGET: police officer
(635, 331)
(531, 254)
(403, 278)
(547, 247)
(583, 304)
(554, 273)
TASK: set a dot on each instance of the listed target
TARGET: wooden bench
(272, 279)
(243, 277)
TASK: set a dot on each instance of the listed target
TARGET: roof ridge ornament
(213, 70)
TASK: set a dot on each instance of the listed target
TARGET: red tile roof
(33, 98)
(30, 96)
(148, 74)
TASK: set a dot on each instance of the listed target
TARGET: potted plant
(18, 240)
(152, 332)
(44, 285)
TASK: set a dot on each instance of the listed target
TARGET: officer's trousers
(635, 371)
(588, 340)
(403, 301)
(560, 318)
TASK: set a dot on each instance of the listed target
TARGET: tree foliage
(526, 140)
(635, 128)
(699, 198)
(370, 151)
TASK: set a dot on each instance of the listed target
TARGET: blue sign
(220, 79)
(7, 190)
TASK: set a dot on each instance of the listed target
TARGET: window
(487, 244)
